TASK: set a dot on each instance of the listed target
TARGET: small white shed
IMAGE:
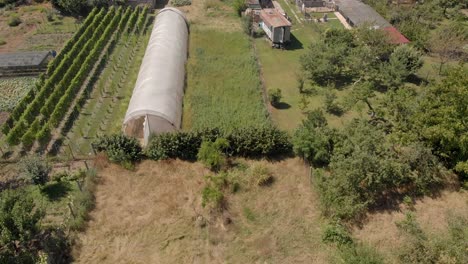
(276, 26)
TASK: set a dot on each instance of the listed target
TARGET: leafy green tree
(399, 106)
(365, 166)
(331, 106)
(404, 61)
(338, 36)
(363, 92)
(376, 40)
(275, 97)
(324, 63)
(19, 220)
(441, 118)
(448, 42)
(313, 140)
(407, 56)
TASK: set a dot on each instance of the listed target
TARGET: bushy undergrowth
(260, 175)
(349, 251)
(424, 248)
(213, 192)
(83, 200)
(23, 238)
(212, 153)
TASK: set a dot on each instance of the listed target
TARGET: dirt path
(342, 20)
(149, 216)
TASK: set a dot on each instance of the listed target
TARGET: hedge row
(245, 142)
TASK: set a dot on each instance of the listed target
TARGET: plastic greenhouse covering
(156, 103)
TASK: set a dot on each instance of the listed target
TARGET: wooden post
(310, 175)
(79, 185)
(94, 151)
(71, 210)
(71, 151)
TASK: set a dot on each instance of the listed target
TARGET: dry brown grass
(149, 216)
(212, 14)
(431, 213)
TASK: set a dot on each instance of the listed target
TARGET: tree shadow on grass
(295, 44)
(56, 190)
(282, 106)
(417, 80)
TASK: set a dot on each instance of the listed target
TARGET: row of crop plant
(103, 112)
(46, 84)
(55, 71)
(59, 90)
(108, 91)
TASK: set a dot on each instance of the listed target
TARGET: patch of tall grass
(224, 88)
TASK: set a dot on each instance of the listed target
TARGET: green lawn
(223, 85)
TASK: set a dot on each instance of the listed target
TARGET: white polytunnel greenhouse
(156, 103)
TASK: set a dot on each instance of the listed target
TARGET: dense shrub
(337, 234)
(246, 142)
(182, 145)
(313, 140)
(14, 20)
(275, 97)
(119, 148)
(19, 224)
(239, 6)
(258, 141)
(211, 154)
(35, 169)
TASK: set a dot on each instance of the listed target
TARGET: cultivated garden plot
(12, 90)
(44, 113)
(105, 109)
